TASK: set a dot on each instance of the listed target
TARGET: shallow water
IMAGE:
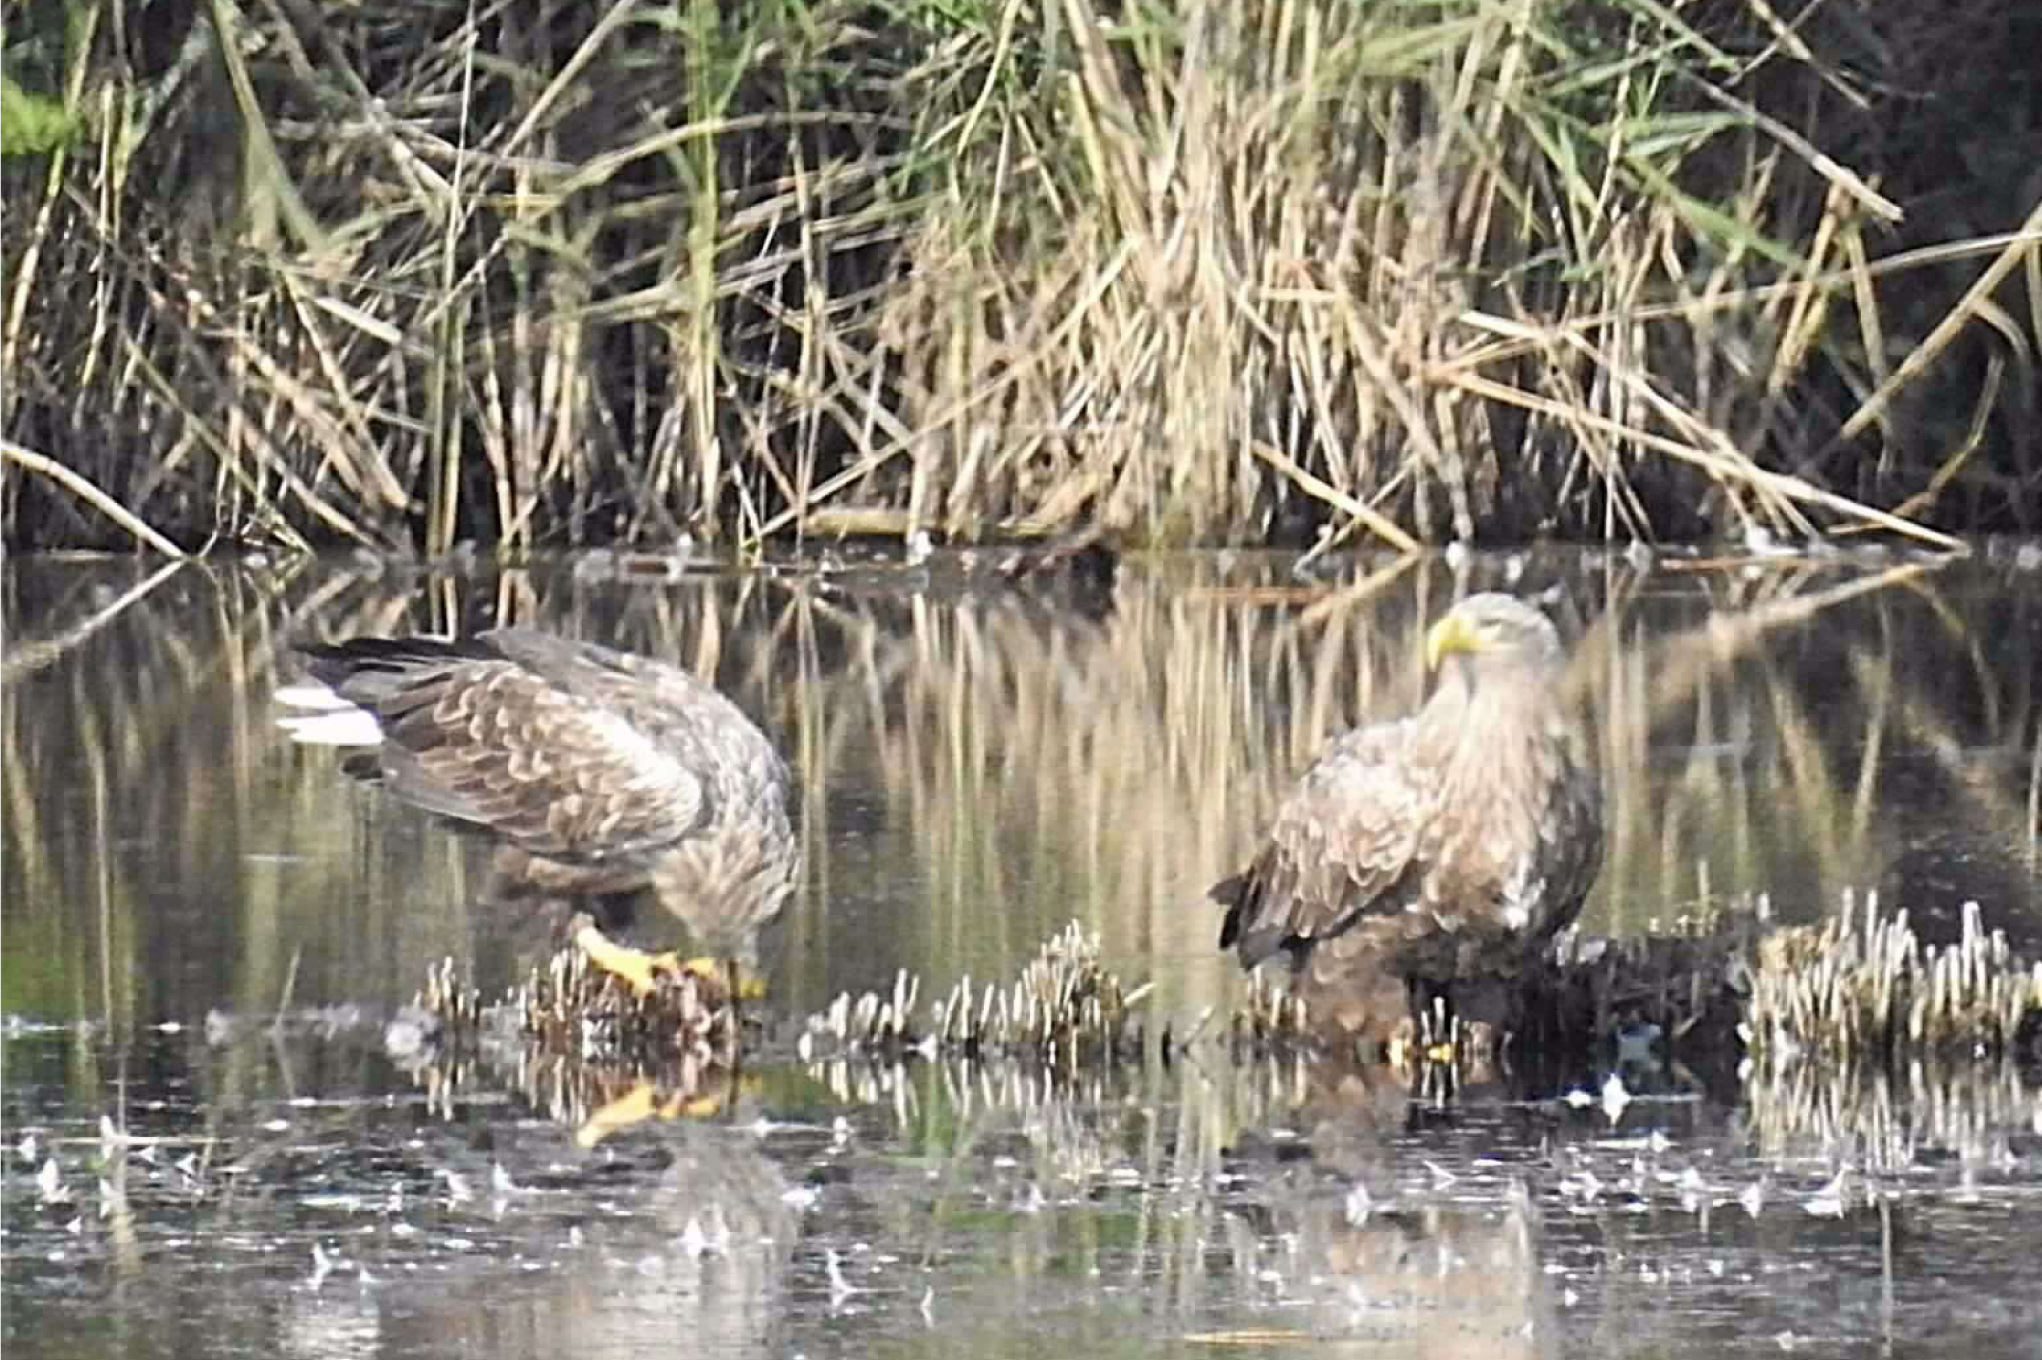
(211, 1149)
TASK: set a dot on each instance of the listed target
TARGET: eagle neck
(1478, 733)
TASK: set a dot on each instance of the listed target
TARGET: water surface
(210, 1150)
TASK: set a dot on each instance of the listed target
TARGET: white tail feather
(328, 719)
(311, 694)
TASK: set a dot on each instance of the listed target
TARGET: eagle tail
(1243, 930)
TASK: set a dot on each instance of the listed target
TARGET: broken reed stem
(80, 486)
(1862, 986)
(1064, 1009)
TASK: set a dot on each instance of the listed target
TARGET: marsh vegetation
(541, 274)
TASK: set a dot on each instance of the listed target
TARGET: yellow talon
(643, 971)
(638, 968)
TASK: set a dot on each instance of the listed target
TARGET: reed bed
(1858, 994)
(1862, 987)
(406, 275)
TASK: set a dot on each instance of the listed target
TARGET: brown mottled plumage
(600, 771)
(1444, 848)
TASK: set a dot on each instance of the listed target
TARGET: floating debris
(322, 1266)
(1615, 1098)
(1828, 1202)
(459, 1191)
(50, 1184)
(841, 1288)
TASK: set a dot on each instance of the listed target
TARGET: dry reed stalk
(2019, 253)
(81, 487)
(1232, 274)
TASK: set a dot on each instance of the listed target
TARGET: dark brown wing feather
(525, 735)
(1572, 844)
(1342, 844)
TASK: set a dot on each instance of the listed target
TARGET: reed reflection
(979, 763)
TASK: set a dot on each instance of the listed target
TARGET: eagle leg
(638, 968)
(642, 971)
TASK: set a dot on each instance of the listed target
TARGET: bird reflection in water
(671, 1234)
(1338, 1238)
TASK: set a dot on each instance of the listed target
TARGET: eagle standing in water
(599, 773)
(1437, 854)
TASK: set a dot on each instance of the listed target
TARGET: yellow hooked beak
(1451, 634)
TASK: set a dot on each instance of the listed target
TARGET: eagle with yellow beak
(1435, 855)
